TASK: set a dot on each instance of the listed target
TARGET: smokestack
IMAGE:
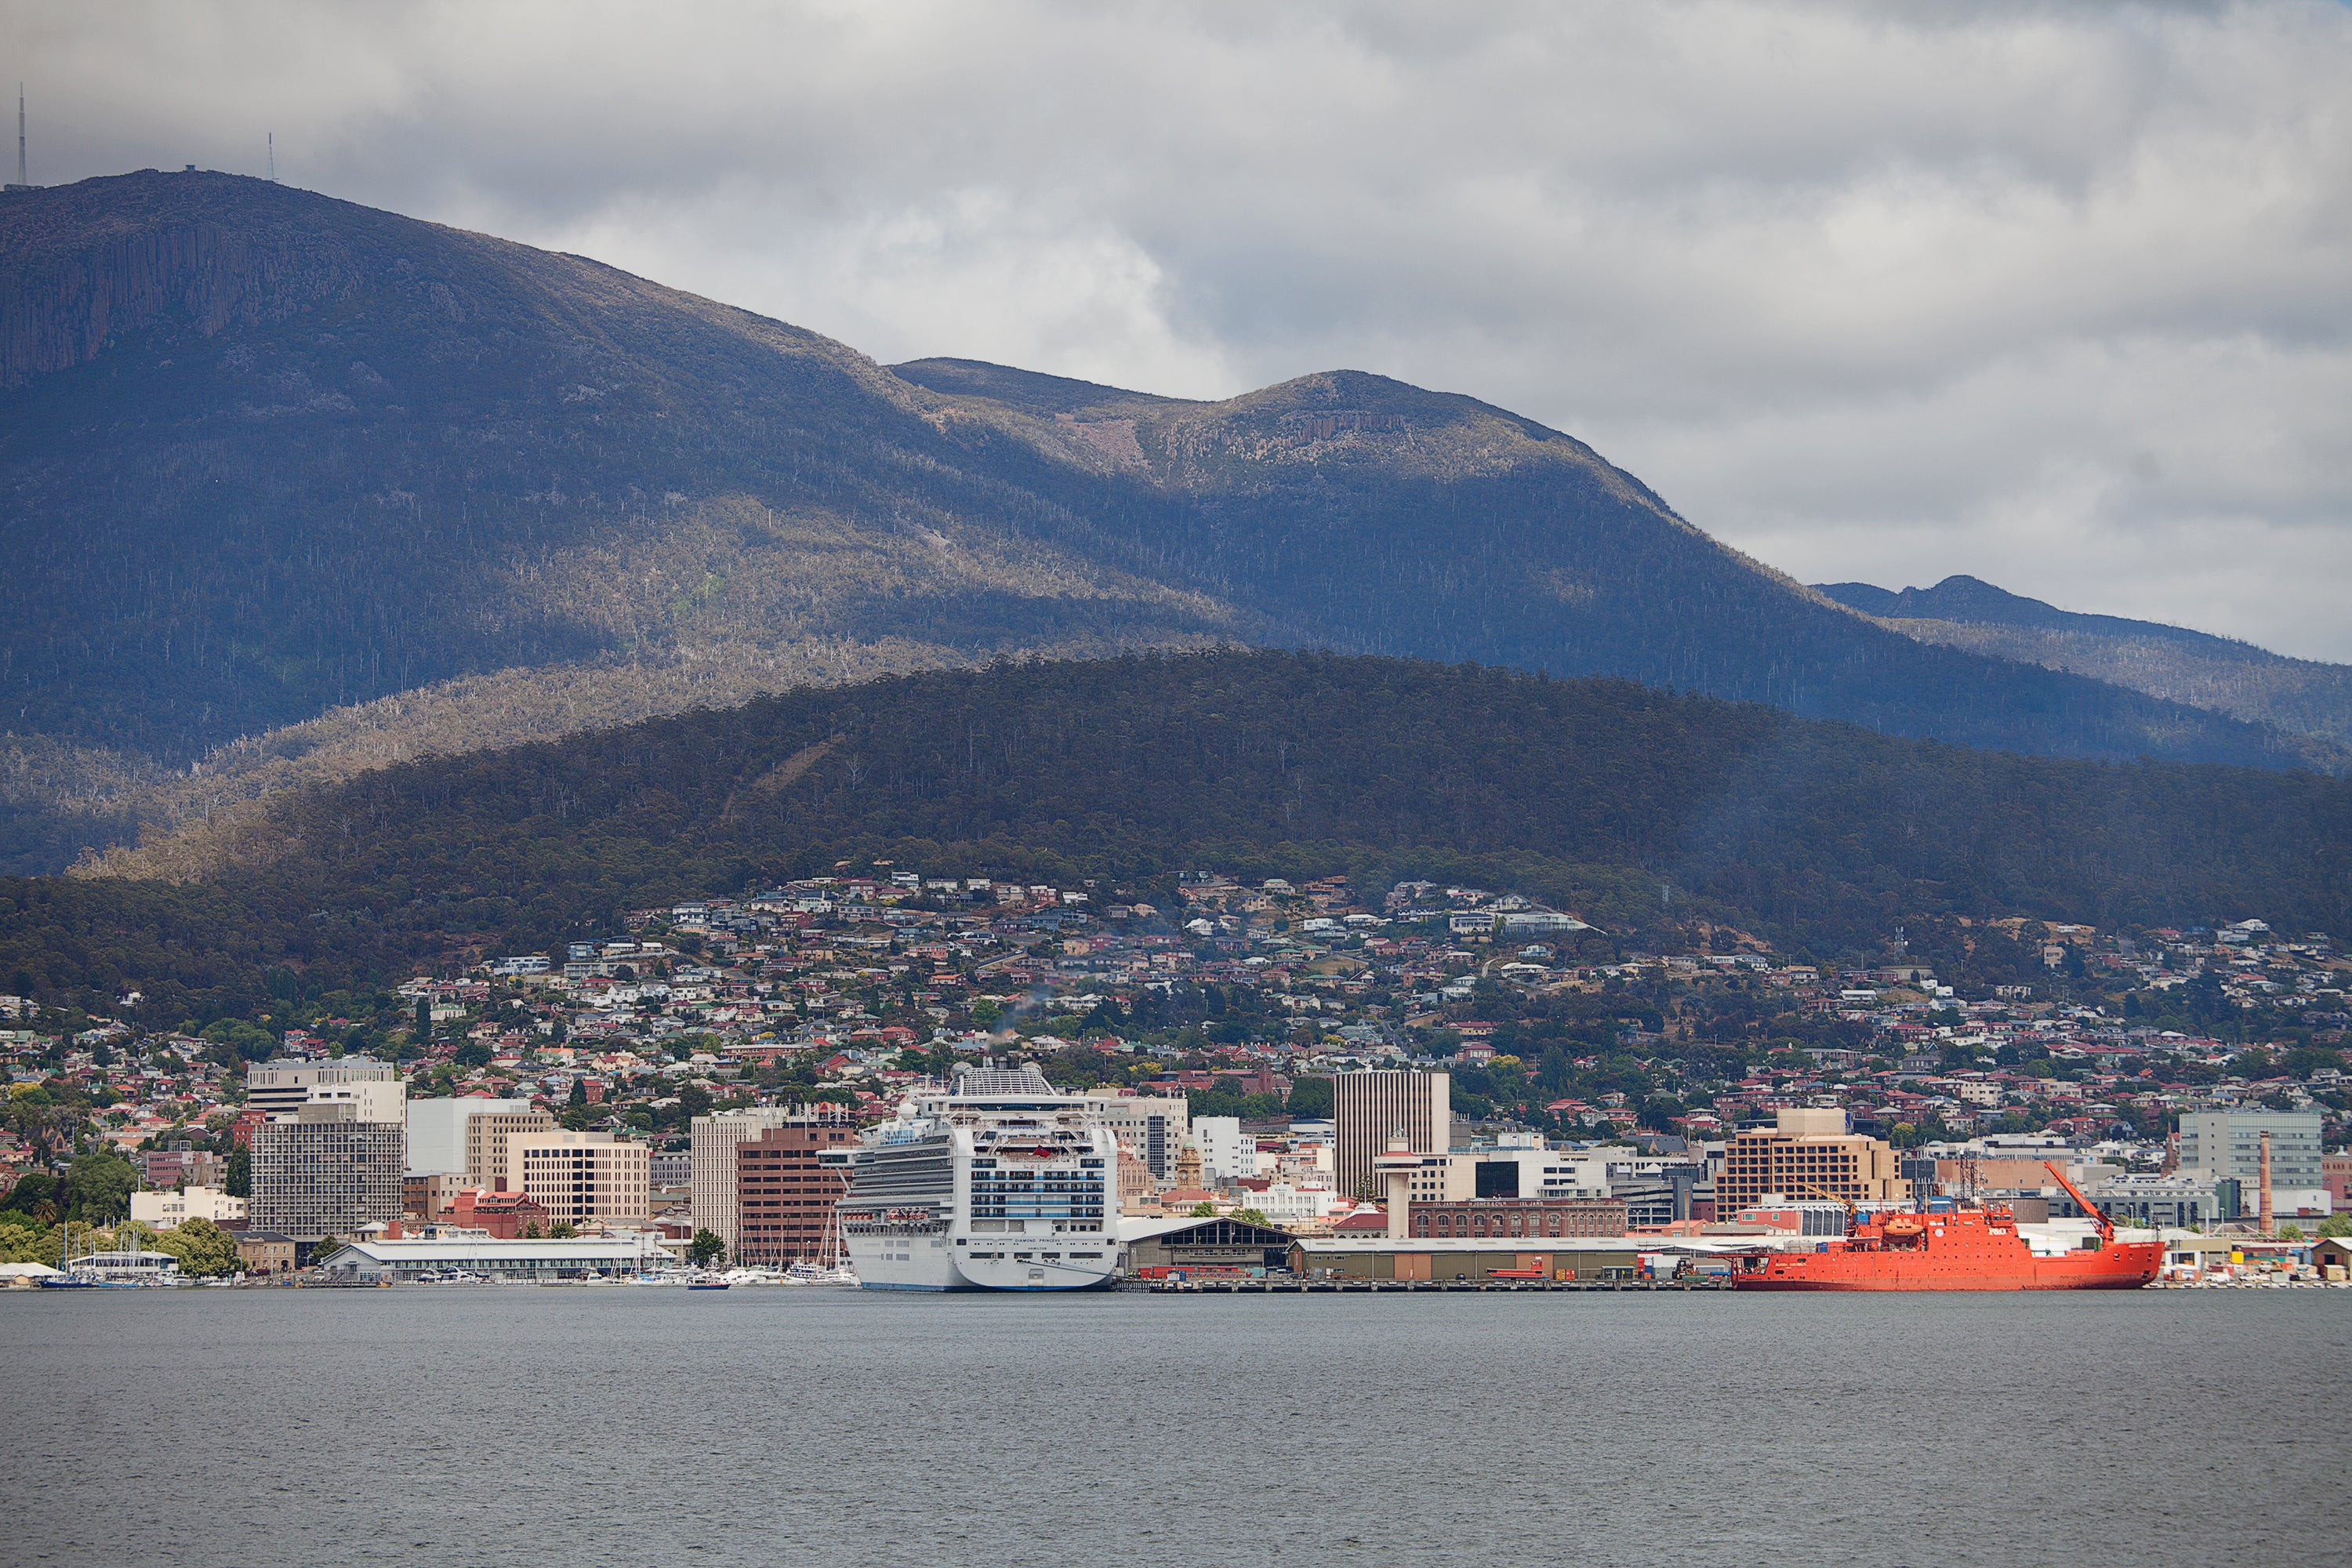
(2266, 1186)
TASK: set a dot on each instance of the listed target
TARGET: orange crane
(2106, 1226)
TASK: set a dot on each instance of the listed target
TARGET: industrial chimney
(2266, 1186)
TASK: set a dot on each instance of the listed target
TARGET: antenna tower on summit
(22, 182)
(273, 156)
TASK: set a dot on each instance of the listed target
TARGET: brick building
(784, 1199)
(508, 1216)
(1486, 1217)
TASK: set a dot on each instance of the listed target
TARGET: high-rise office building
(1371, 1107)
(783, 1198)
(579, 1176)
(713, 1140)
(320, 1170)
(2227, 1145)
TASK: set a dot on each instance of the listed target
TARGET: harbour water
(819, 1427)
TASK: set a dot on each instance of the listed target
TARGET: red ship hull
(1969, 1250)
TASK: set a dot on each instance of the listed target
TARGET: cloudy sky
(2057, 295)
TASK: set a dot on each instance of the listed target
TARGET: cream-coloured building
(437, 1130)
(375, 1100)
(580, 1176)
(164, 1210)
(715, 1139)
(486, 1141)
(1809, 1154)
(285, 1085)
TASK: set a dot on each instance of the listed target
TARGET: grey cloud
(2055, 295)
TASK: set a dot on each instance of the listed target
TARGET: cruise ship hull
(927, 1264)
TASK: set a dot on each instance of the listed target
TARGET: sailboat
(833, 1268)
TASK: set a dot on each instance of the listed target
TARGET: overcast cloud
(2055, 295)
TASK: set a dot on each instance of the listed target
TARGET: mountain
(295, 486)
(1640, 809)
(2220, 674)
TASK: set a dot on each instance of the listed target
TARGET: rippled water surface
(804, 1426)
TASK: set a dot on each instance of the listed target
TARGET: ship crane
(1851, 1208)
(2106, 1226)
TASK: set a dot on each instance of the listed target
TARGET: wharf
(1409, 1287)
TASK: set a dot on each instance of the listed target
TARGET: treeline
(1643, 809)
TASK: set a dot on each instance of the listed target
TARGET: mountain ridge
(273, 457)
(2223, 675)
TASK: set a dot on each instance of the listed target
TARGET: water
(815, 1426)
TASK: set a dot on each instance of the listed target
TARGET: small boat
(705, 1284)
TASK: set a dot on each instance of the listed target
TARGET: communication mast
(273, 156)
(23, 184)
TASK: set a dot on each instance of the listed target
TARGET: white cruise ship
(1001, 1184)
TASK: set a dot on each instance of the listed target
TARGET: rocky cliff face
(83, 265)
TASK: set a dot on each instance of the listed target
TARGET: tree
(705, 1249)
(1310, 1099)
(530, 1230)
(236, 1175)
(562, 1230)
(1205, 1211)
(1252, 1216)
(100, 1183)
(423, 1030)
(1553, 1075)
(2339, 1226)
(33, 1189)
(203, 1248)
(26, 1240)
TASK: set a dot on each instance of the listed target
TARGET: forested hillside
(1640, 809)
(271, 458)
(2225, 676)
